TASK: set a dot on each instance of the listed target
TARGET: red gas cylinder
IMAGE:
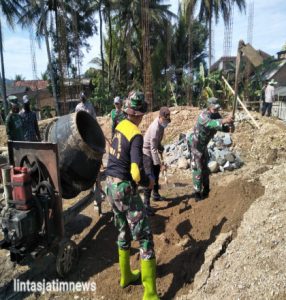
(22, 189)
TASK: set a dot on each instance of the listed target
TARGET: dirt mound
(252, 266)
(182, 120)
(265, 145)
(3, 135)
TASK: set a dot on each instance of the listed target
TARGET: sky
(268, 35)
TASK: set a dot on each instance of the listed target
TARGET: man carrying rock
(208, 123)
(152, 149)
(124, 173)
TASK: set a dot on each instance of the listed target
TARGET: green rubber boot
(148, 269)
(127, 276)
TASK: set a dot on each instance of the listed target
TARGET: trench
(197, 225)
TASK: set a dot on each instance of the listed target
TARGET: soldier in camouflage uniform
(13, 122)
(125, 172)
(117, 114)
(208, 123)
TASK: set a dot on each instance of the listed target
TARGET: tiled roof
(271, 72)
(32, 84)
(17, 90)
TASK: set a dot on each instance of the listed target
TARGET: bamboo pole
(241, 103)
(237, 67)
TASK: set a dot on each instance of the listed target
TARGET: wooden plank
(241, 103)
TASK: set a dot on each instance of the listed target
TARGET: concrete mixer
(38, 177)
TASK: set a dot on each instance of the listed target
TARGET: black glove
(161, 149)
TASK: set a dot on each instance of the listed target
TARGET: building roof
(226, 59)
(17, 90)
(32, 84)
(269, 74)
(223, 59)
(263, 54)
(281, 91)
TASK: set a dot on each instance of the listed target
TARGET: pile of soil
(252, 265)
(3, 136)
(265, 145)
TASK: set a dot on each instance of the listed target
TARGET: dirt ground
(183, 229)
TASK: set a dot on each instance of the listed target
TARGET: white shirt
(152, 140)
(269, 94)
(86, 106)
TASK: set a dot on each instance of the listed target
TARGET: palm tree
(49, 58)
(10, 9)
(188, 13)
(122, 56)
(101, 40)
(213, 9)
(104, 7)
(129, 18)
(189, 9)
(77, 18)
(69, 24)
(107, 17)
(19, 77)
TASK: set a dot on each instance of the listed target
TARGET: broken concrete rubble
(222, 156)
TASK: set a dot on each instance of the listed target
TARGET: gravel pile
(222, 156)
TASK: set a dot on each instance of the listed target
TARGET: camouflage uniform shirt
(14, 127)
(116, 117)
(206, 127)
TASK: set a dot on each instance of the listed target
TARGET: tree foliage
(178, 45)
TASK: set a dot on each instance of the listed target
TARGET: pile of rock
(222, 156)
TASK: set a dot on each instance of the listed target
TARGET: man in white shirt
(269, 98)
(151, 155)
(85, 105)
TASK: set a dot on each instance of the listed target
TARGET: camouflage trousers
(200, 170)
(130, 217)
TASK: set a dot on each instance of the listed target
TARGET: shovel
(164, 169)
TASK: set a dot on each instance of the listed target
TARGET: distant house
(72, 88)
(35, 89)
(281, 55)
(18, 91)
(34, 85)
(277, 72)
(226, 63)
(280, 92)
(38, 90)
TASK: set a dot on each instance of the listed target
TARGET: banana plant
(202, 85)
